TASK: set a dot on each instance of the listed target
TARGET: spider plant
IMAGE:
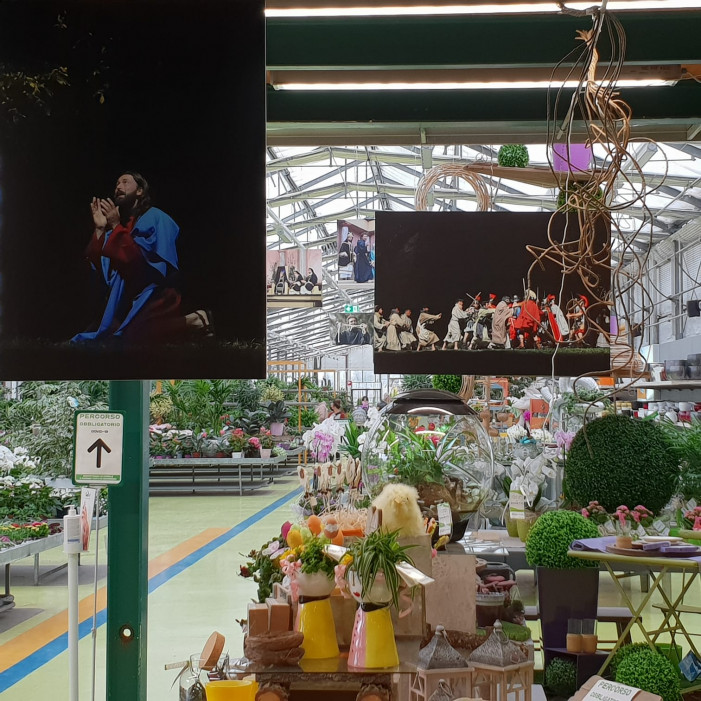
(377, 553)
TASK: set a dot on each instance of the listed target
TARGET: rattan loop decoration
(433, 175)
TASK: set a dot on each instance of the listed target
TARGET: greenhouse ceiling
(310, 189)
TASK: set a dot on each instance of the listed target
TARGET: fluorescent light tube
(487, 9)
(511, 85)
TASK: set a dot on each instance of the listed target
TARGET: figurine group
(398, 333)
(511, 322)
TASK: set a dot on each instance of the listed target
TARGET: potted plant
(252, 449)
(311, 575)
(251, 420)
(155, 445)
(370, 569)
(528, 476)
(277, 415)
(238, 440)
(559, 574)
(223, 447)
(199, 439)
(266, 443)
(626, 521)
(271, 393)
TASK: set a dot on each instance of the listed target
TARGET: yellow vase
(373, 645)
(231, 690)
(315, 620)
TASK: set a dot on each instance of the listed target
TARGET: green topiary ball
(449, 383)
(513, 156)
(561, 677)
(621, 654)
(616, 460)
(551, 536)
(650, 671)
(581, 190)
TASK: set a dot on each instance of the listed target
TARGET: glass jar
(433, 441)
(191, 686)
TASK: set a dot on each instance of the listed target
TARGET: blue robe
(155, 233)
(363, 269)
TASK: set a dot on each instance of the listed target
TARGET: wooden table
(335, 679)
(657, 567)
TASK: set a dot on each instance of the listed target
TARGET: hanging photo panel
(351, 329)
(356, 253)
(294, 277)
(454, 295)
(132, 211)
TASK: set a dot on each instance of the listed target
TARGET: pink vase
(575, 158)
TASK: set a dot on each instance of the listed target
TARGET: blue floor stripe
(51, 650)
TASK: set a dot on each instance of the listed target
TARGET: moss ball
(618, 461)
(561, 677)
(651, 672)
(551, 536)
(513, 156)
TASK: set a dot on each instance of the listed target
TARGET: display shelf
(673, 390)
(670, 384)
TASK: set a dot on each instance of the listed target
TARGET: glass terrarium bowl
(433, 441)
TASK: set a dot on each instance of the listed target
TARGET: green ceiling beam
(681, 102)
(464, 41)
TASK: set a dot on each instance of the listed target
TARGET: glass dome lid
(431, 440)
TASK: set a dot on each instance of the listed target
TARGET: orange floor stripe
(26, 643)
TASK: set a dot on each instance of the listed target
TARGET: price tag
(312, 501)
(605, 690)
(659, 527)
(445, 519)
(517, 505)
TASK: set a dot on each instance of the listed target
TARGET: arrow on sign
(99, 445)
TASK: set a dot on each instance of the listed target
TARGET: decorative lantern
(500, 667)
(440, 661)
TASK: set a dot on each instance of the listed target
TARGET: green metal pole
(127, 551)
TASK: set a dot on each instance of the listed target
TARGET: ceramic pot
(265, 453)
(524, 526)
(624, 541)
(511, 525)
(237, 455)
(276, 428)
(379, 592)
(315, 584)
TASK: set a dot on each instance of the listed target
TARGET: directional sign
(98, 447)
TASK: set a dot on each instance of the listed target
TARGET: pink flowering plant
(626, 519)
(596, 513)
(266, 438)
(692, 519)
(238, 440)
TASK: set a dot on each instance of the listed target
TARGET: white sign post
(97, 458)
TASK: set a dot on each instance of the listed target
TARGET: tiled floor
(197, 545)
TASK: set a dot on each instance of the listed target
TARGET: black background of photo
(434, 258)
(184, 104)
